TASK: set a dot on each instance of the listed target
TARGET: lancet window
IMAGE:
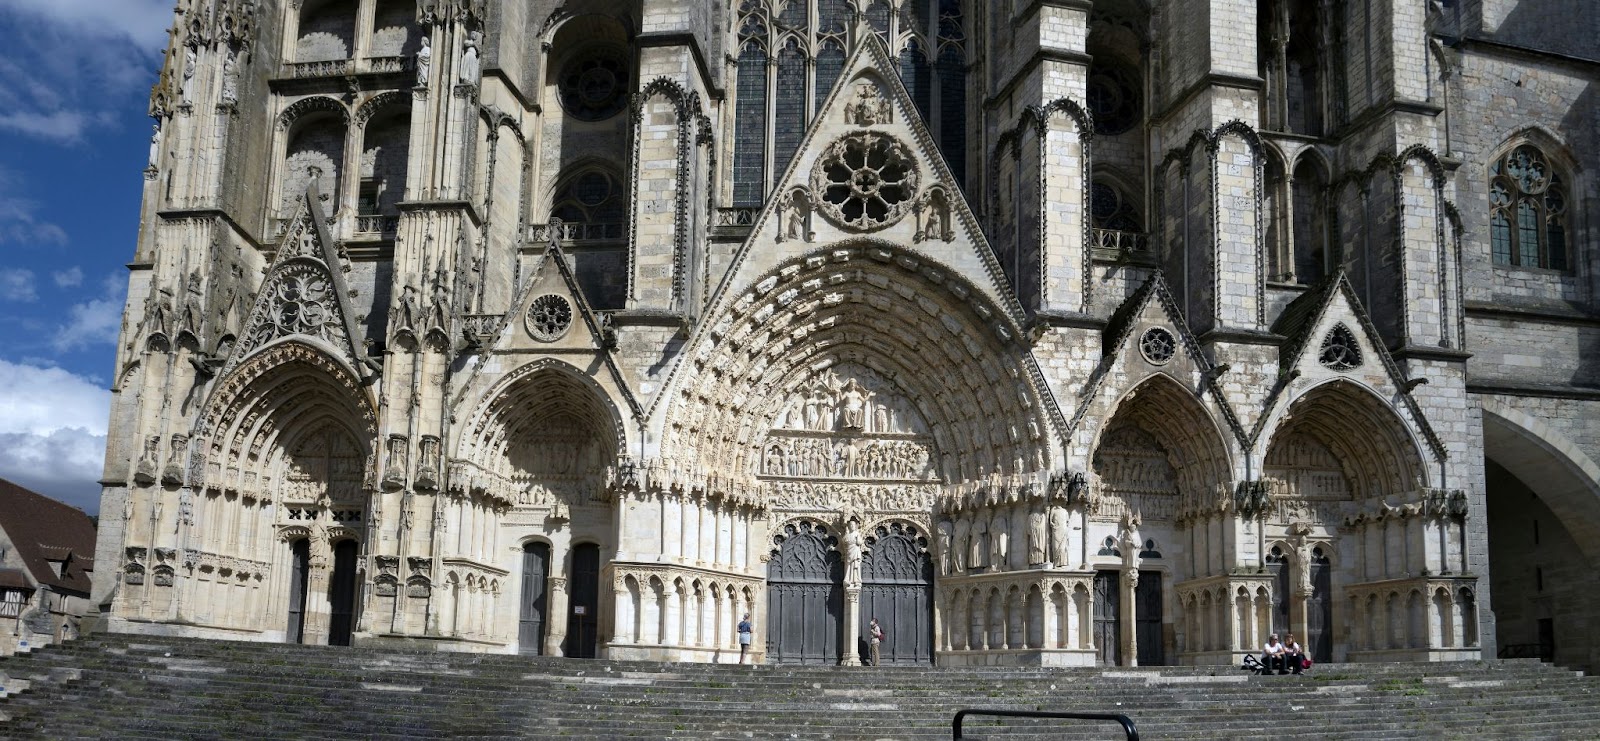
(791, 52)
(1528, 208)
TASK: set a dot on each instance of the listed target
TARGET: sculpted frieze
(851, 497)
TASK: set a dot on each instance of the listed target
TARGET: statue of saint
(1038, 535)
(469, 71)
(424, 62)
(853, 551)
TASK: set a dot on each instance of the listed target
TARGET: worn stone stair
(134, 687)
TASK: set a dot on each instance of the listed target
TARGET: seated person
(1272, 656)
(1293, 655)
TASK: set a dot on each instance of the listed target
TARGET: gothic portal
(1043, 333)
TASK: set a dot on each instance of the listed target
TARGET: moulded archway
(923, 331)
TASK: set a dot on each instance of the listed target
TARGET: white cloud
(93, 322)
(16, 284)
(144, 22)
(17, 221)
(68, 278)
(53, 432)
(72, 65)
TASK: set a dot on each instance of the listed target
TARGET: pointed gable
(552, 316)
(304, 293)
(1327, 332)
(868, 169)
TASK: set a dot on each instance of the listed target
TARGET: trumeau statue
(853, 551)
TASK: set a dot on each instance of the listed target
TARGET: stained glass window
(807, 40)
(1527, 211)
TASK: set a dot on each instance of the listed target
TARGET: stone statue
(978, 552)
(855, 405)
(190, 64)
(230, 77)
(999, 541)
(852, 554)
(1059, 530)
(1038, 535)
(935, 213)
(469, 71)
(796, 210)
(155, 146)
(424, 62)
(868, 108)
(958, 548)
(946, 535)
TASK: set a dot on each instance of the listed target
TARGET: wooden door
(1319, 610)
(535, 600)
(299, 579)
(1147, 606)
(805, 596)
(1108, 617)
(583, 600)
(342, 593)
(897, 588)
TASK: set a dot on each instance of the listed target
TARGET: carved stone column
(622, 622)
(852, 627)
(1129, 625)
(557, 634)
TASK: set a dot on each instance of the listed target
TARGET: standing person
(1293, 655)
(876, 634)
(745, 631)
(1272, 656)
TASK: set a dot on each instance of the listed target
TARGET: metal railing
(377, 224)
(1126, 722)
(1120, 245)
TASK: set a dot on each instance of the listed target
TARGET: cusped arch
(874, 306)
(382, 103)
(1379, 452)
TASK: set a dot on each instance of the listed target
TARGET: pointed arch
(289, 387)
(871, 305)
(1160, 416)
(545, 400)
(1378, 452)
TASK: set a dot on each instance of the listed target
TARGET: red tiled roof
(45, 530)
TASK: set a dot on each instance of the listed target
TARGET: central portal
(849, 467)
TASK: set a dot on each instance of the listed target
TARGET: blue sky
(75, 78)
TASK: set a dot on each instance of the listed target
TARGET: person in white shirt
(1273, 656)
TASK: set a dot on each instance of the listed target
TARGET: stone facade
(1051, 333)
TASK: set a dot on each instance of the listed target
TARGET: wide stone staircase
(136, 687)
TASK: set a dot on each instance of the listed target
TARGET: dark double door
(583, 601)
(805, 596)
(1147, 612)
(341, 591)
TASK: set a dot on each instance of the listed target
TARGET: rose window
(865, 180)
(1157, 345)
(594, 85)
(549, 317)
(303, 308)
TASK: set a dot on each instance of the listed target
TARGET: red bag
(1305, 662)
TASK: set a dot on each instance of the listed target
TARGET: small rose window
(549, 317)
(866, 180)
(1157, 345)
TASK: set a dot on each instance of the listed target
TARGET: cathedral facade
(1047, 333)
